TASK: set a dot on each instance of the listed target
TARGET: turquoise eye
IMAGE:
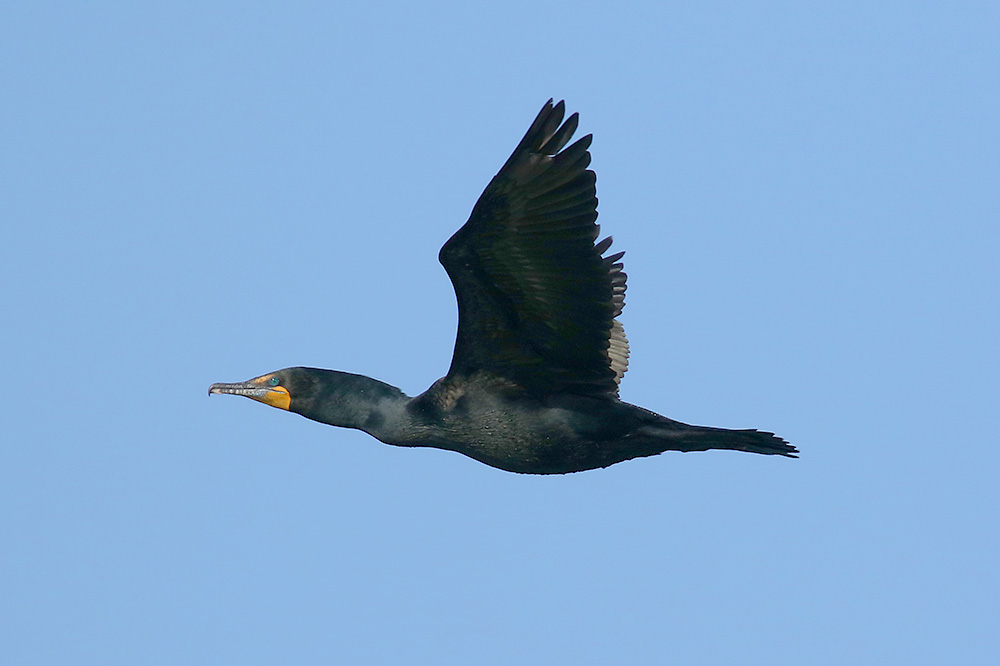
(273, 381)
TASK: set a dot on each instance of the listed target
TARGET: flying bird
(539, 355)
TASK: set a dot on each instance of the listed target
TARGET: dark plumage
(533, 383)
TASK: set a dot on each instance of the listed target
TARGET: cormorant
(533, 383)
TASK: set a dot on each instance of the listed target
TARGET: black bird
(533, 383)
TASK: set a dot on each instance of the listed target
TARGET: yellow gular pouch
(275, 396)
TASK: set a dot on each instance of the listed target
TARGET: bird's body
(533, 384)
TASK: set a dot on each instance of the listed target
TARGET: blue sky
(808, 197)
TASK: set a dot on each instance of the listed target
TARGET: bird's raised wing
(537, 301)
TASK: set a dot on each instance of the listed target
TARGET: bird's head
(277, 389)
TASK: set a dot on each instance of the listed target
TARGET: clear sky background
(808, 197)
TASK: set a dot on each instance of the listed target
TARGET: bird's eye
(273, 381)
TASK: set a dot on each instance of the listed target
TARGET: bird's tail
(683, 437)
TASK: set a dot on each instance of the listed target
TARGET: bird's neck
(354, 401)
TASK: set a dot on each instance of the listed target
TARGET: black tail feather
(683, 437)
